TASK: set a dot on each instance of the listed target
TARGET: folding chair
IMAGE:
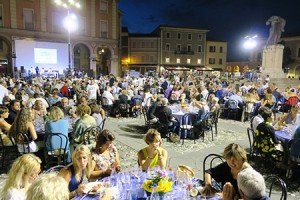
(271, 181)
(214, 160)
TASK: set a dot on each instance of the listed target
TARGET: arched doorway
(5, 56)
(82, 58)
(103, 60)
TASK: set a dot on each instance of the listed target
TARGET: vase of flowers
(158, 182)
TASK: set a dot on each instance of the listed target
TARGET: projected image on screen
(45, 56)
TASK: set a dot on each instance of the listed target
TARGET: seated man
(251, 186)
(255, 121)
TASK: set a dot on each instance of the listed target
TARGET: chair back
(57, 146)
(252, 139)
(90, 135)
(24, 147)
(102, 124)
(214, 116)
(232, 104)
(273, 180)
(211, 161)
(187, 120)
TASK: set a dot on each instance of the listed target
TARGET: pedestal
(272, 61)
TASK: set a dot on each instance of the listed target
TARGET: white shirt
(92, 90)
(15, 194)
(3, 92)
(109, 96)
(256, 121)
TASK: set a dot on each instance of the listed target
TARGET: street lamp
(70, 23)
(250, 42)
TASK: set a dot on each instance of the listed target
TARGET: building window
(167, 60)
(1, 15)
(220, 61)
(211, 61)
(133, 44)
(179, 35)
(189, 48)
(168, 35)
(103, 29)
(188, 61)
(168, 47)
(221, 49)
(189, 36)
(103, 6)
(199, 61)
(81, 25)
(178, 60)
(178, 48)
(151, 58)
(199, 48)
(143, 59)
(298, 52)
(56, 25)
(212, 49)
(200, 37)
(152, 44)
(143, 44)
(28, 19)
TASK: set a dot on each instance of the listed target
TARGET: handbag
(174, 138)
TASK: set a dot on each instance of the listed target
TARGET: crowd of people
(38, 107)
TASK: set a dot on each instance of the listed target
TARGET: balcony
(184, 52)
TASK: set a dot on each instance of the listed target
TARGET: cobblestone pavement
(129, 139)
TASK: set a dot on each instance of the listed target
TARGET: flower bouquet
(158, 182)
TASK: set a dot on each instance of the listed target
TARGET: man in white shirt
(255, 121)
(92, 89)
(3, 91)
(107, 94)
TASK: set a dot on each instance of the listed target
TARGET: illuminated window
(199, 61)
(188, 61)
(167, 60)
(178, 60)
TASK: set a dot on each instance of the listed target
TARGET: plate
(90, 185)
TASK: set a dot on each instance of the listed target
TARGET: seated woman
(4, 126)
(78, 171)
(290, 118)
(203, 114)
(22, 174)
(105, 156)
(153, 155)
(267, 142)
(48, 187)
(98, 113)
(57, 124)
(236, 161)
(85, 121)
(23, 125)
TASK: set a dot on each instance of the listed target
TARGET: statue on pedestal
(277, 27)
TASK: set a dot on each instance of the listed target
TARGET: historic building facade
(216, 55)
(94, 45)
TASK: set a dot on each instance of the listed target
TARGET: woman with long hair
(23, 125)
(22, 174)
(79, 170)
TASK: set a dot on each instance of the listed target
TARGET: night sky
(227, 20)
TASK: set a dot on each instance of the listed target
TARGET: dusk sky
(227, 20)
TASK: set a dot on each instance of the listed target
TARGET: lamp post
(70, 24)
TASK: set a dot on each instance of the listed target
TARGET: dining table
(128, 185)
(178, 111)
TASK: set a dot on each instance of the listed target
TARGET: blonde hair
(85, 150)
(152, 135)
(83, 109)
(56, 113)
(24, 164)
(48, 187)
(235, 151)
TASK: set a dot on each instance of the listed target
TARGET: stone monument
(273, 52)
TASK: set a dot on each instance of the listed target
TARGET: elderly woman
(22, 174)
(153, 155)
(48, 187)
(57, 124)
(23, 125)
(85, 121)
(79, 170)
(105, 155)
(236, 160)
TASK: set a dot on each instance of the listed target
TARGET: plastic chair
(214, 160)
(57, 148)
(271, 181)
(186, 126)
